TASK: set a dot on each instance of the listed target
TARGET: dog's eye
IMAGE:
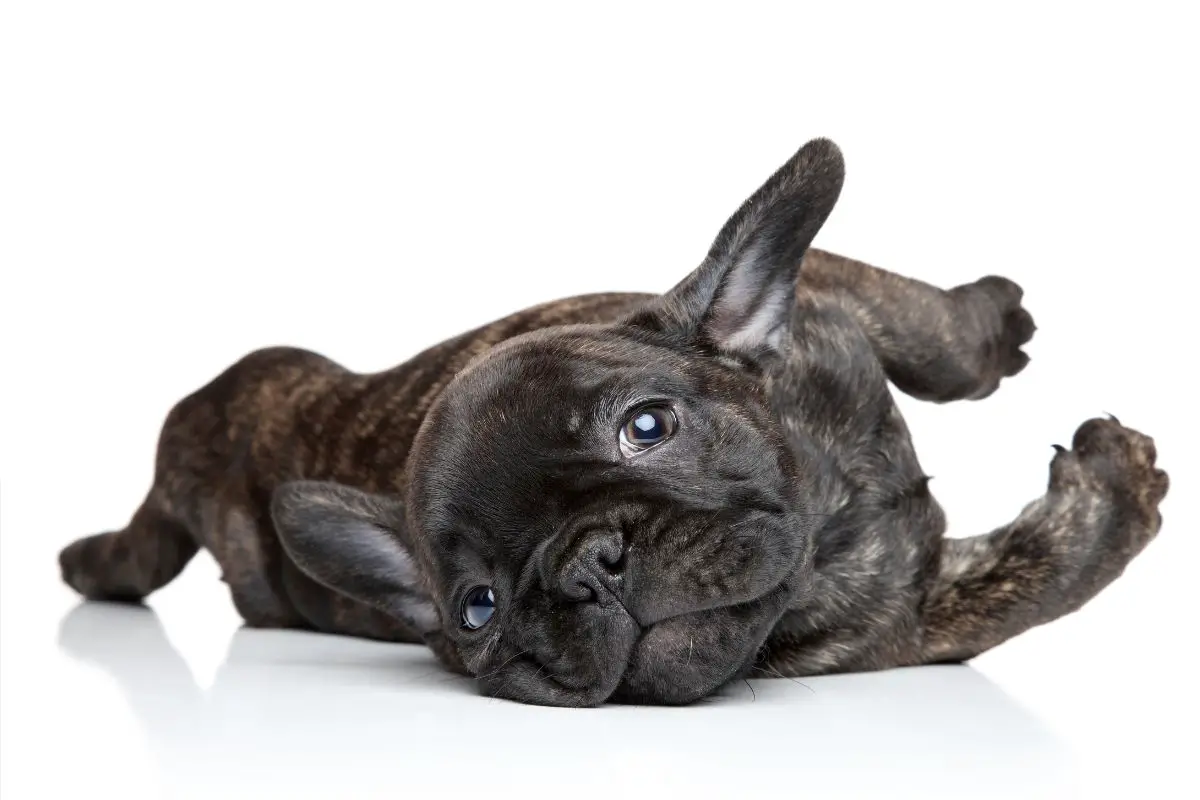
(478, 607)
(647, 427)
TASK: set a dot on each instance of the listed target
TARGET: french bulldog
(638, 498)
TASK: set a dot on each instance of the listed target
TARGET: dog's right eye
(478, 607)
(647, 427)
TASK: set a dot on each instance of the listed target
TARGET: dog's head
(603, 512)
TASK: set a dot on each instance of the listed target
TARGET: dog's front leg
(935, 344)
(1099, 512)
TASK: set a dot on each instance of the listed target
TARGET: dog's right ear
(739, 301)
(351, 541)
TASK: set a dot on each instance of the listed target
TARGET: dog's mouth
(672, 661)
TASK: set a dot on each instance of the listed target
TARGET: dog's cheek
(706, 565)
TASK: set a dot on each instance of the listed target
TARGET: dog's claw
(1058, 448)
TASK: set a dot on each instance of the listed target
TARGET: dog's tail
(131, 563)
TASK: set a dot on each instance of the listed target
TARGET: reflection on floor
(305, 715)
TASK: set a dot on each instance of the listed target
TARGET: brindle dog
(637, 498)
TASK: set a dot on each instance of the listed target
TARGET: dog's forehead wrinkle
(570, 359)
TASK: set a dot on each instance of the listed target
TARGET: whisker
(507, 661)
(777, 674)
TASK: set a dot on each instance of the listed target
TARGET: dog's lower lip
(584, 693)
(573, 686)
(568, 683)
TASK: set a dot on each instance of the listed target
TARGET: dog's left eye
(478, 607)
(647, 427)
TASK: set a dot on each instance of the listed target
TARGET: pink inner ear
(752, 303)
(763, 328)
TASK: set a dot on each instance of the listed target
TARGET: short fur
(787, 526)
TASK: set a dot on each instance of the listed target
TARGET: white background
(185, 182)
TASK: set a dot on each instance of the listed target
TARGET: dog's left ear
(352, 542)
(740, 299)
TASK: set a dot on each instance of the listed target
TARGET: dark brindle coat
(787, 524)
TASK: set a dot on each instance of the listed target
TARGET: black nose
(595, 569)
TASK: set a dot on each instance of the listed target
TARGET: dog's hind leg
(1099, 512)
(133, 562)
(938, 345)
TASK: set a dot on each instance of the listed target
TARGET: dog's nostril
(583, 592)
(609, 553)
(595, 569)
(614, 563)
(580, 585)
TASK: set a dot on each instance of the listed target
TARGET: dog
(638, 498)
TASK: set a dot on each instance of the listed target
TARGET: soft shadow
(306, 715)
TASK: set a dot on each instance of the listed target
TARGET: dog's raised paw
(990, 309)
(1118, 462)
(1016, 323)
